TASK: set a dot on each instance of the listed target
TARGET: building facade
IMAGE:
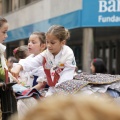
(94, 26)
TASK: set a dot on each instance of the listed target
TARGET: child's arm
(31, 64)
(15, 70)
(27, 65)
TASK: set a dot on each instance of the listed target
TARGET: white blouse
(26, 77)
(64, 59)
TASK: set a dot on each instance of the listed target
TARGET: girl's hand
(15, 71)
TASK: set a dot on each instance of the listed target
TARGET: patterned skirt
(96, 83)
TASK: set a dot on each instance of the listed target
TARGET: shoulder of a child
(67, 49)
(30, 56)
(43, 53)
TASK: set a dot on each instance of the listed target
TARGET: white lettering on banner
(109, 6)
(108, 19)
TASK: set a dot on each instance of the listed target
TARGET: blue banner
(100, 13)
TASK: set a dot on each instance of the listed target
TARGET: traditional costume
(58, 68)
(27, 78)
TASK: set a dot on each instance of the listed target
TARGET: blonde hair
(74, 108)
(41, 36)
(59, 31)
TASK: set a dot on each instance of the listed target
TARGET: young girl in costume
(58, 59)
(6, 108)
(3, 36)
(36, 45)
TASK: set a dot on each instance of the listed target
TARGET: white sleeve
(32, 63)
(66, 74)
(69, 69)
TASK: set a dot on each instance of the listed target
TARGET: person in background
(74, 108)
(10, 62)
(57, 60)
(98, 66)
(19, 53)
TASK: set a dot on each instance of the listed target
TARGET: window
(12, 5)
(7, 6)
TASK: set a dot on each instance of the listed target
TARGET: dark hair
(99, 65)
(20, 52)
(59, 31)
(2, 20)
(41, 36)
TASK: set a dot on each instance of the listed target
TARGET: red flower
(15, 51)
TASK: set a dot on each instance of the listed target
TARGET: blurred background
(94, 26)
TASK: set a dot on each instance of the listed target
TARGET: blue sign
(100, 13)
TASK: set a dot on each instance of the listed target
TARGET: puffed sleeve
(32, 63)
(69, 69)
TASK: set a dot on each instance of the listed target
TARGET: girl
(58, 59)
(3, 36)
(36, 45)
(98, 66)
(6, 108)
(21, 53)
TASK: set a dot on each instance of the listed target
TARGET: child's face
(54, 45)
(3, 32)
(34, 45)
(92, 68)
